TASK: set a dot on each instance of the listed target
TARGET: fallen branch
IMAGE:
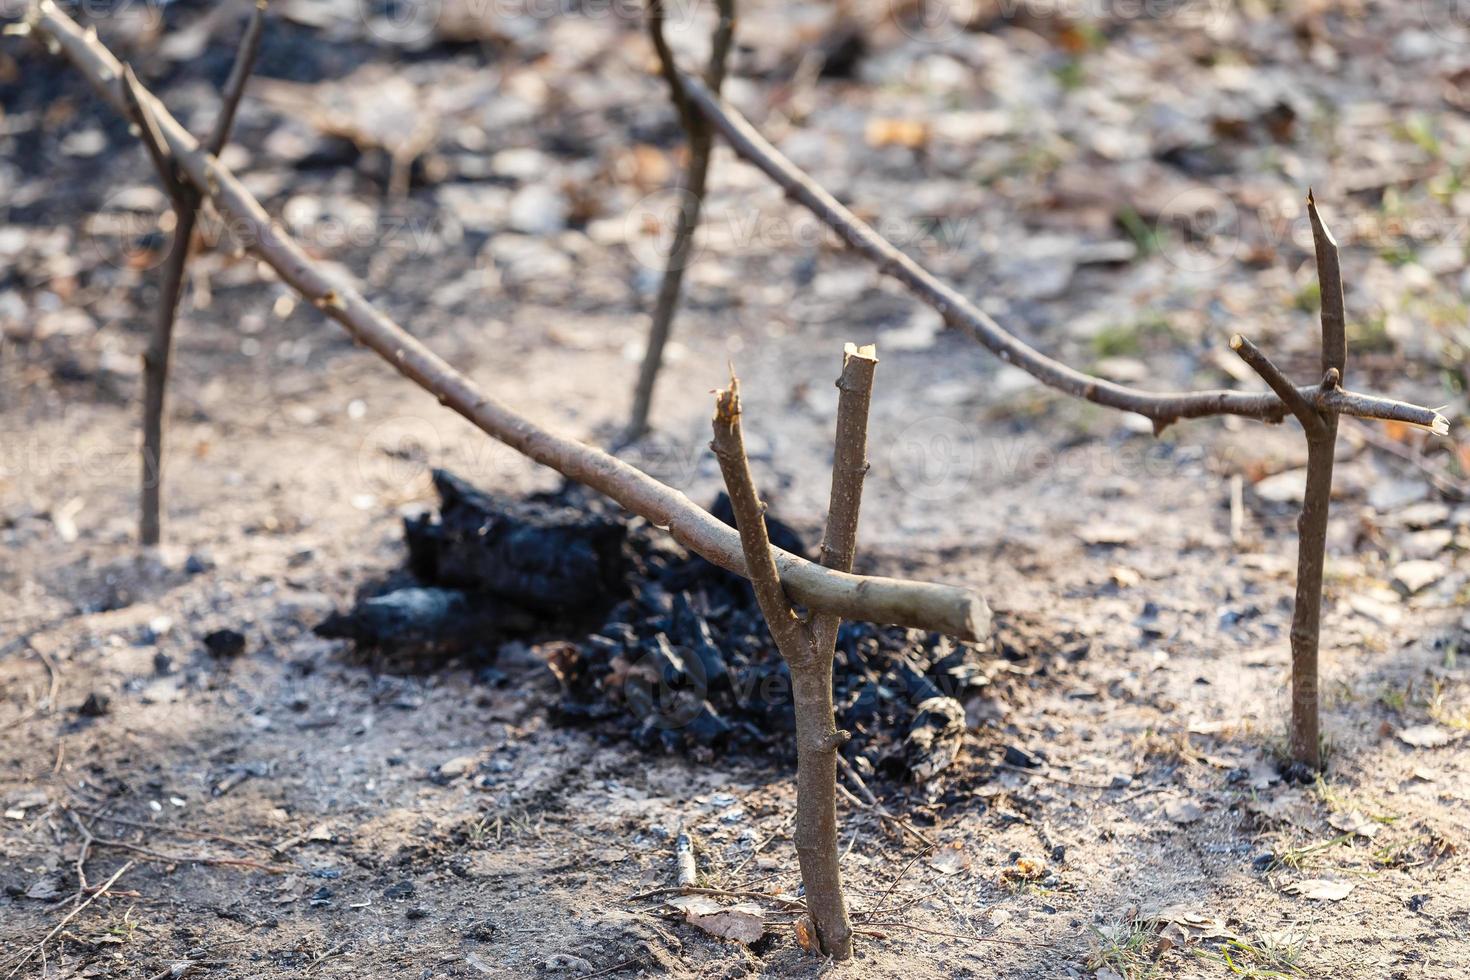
(1162, 408)
(30, 951)
(957, 612)
(691, 197)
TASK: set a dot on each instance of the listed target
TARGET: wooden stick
(186, 200)
(946, 609)
(849, 467)
(691, 199)
(810, 666)
(685, 871)
(1163, 408)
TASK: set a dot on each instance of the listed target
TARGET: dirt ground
(440, 824)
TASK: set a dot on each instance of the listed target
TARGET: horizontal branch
(1163, 408)
(947, 609)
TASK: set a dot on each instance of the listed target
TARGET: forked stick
(807, 646)
(1319, 424)
(186, 200)
(946, 609)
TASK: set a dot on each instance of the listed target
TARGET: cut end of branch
(1237, 342)
(727, 401)
(868, 352)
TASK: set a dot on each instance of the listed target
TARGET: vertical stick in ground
(186, 201)
(808, 646)
(700, 136)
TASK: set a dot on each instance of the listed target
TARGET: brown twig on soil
(1162, 408)
(691, 197)
(228, 862)
(883, 899)
(168, 830)
(957, 612)
(868, 928)
(40, 947)
(1320, 426)
(716, 893)
(810, 665)
(870, 803)
(186, 199)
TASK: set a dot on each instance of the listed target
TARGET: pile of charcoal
(651, 642)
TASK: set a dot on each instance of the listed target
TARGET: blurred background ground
(1119, 184)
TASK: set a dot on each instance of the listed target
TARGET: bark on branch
(810, 666)
(691, 198)
(1163, 408)
(1319, 423)
(946, 609)
(186, 200)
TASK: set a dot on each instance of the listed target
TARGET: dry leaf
(912, 133)
(1183, 811)
(744, 922)
(1426, 736)
(1025, 869)
(1320, 889)
(950, 860)
(1355, 823)
(806, 933)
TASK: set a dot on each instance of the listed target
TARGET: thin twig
(228, 862)
(883, 899)
(170, 830)
(957, 612)
(1299, 404)
(234, 89)
(1162, 408)
(40, 947)
(691, 199)
(1443, 482)
(716, 893)
(869, 926)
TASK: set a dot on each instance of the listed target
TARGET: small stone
(95, 706)
(417, 912)
(1425, 514)
(197, 564)
(225, 643)
(1020, 757)
(1413, 576)
(1283, 488)
(1390, 495)
(1426, 544)
(400, 889)
(457, 767)
(162, 664)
